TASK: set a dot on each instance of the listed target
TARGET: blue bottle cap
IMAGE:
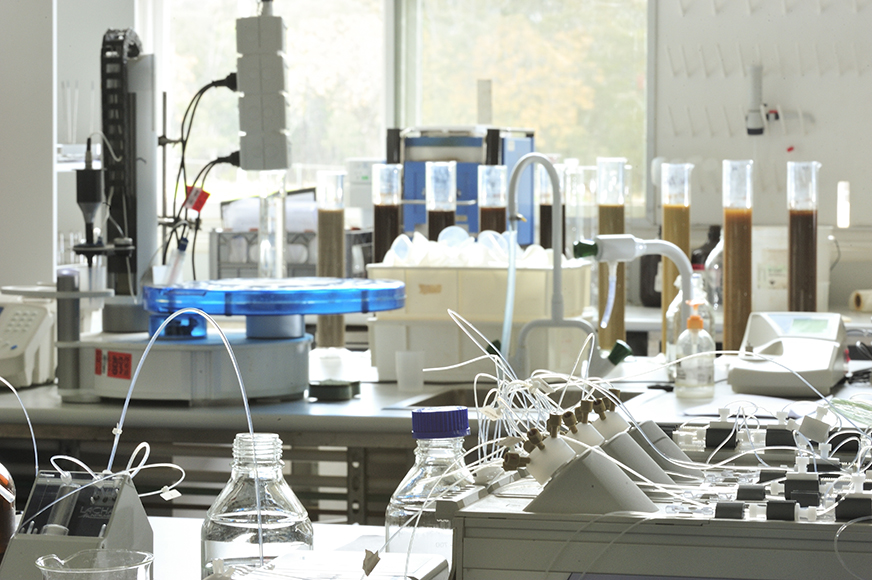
(440, 422)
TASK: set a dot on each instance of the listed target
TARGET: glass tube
(802, 206)
(738, 189)
(546, 204)
(675, 195)
(272, 239)
(610, 207)
(387, 193)
(492, 197)
(330, 198)
(440, 179)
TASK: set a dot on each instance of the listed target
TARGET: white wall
(817, 69)
(27, 126)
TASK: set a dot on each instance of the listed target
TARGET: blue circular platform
(277, 297)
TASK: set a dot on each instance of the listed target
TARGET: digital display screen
(809, 326)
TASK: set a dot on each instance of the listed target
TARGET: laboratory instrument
(802, 205)
(273, 351)
(737, 194)
(26, 350)
(777, 346)
(387, 195)
(610, 208)
(72, 511)
(411, 521)
(492, 197)
(675, 196)
(129, 178)
(440, 193)
(256, 515)
(330, 196)
(97, 565)
(695, 353)
(469, 147)
(700, 255)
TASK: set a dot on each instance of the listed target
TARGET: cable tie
(117, 430)
(370, 560)
(169, 494)
(510, 441)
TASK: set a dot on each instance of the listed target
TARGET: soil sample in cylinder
(675, 192)
(387, 193)
(440, 193)
(331, 249)
(802, 236)
(737, 190)
(610, 208)
(492, 198)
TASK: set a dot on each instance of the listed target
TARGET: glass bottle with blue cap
(410, 520)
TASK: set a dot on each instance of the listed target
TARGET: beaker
(675, 196)
(737, 184)
(97, 565)
(802, 236)
(610, 196)
(492, 198)
(330, 197)
(387, 193)
(440, 179)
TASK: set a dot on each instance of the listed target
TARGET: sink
(465, 396)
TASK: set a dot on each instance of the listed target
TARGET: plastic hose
(610, 302)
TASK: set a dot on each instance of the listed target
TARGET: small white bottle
(695, 376)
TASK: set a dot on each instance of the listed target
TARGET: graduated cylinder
(675, 192)
(610, 207)
(737, 191)
(802, 236)
(330, 197)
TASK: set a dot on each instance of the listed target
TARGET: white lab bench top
(177, 544)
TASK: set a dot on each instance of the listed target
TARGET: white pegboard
(817, 73)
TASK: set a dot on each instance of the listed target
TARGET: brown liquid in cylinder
(438, 220)
(331, 263)
(611, 221)
(387, 225)
(737, 275)
(676, 229)
(802, 261)
(492, 218)
(546, 223)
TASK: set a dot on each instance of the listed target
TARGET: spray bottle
(695, 376)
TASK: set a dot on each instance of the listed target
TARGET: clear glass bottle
(674, 323)
(695, 376)
(230, 529)
(439, 468)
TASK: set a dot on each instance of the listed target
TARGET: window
(572, 71)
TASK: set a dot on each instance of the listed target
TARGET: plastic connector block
(781, 510)
(455, 500)
(751, 493)
(814, 428)
(853, 507)
(717, 432)
(260, 35)
(778, 436)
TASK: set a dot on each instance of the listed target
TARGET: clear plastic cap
(440, 179)
(610, 180)
(492, 188)
(675, 183)
(330, 191)
(387, 183)
(737, 184)
(802, 185)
